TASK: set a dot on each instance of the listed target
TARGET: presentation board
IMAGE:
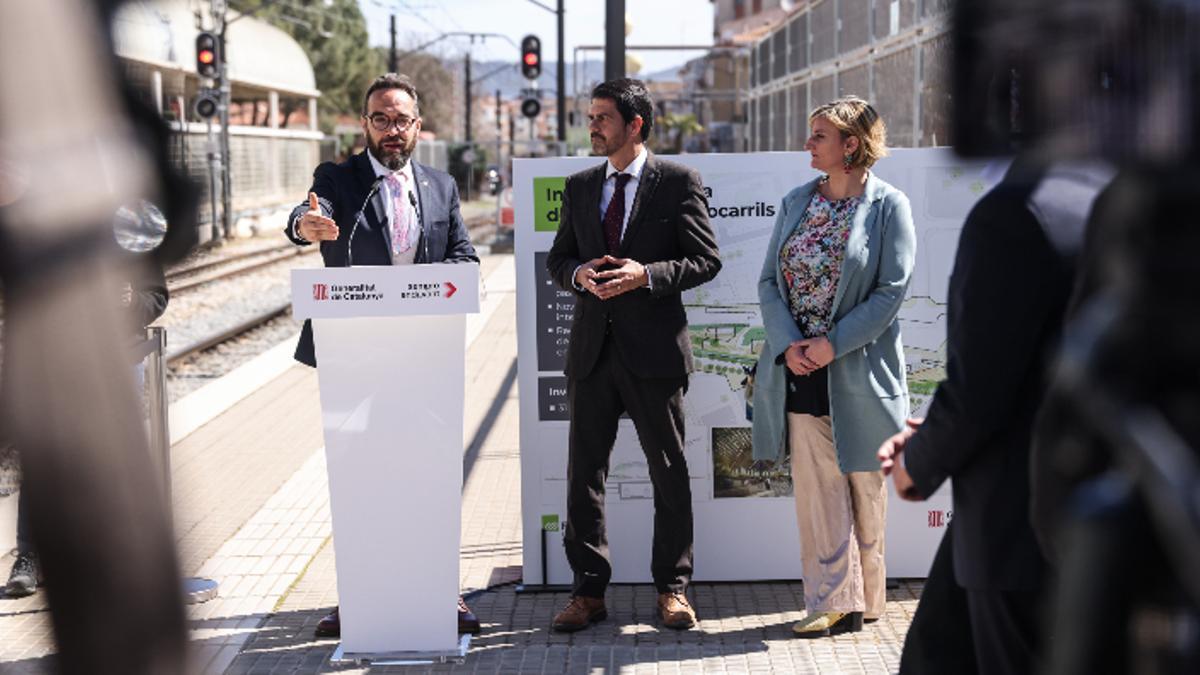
(745, 521)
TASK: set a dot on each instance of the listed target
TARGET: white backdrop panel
(745, 522)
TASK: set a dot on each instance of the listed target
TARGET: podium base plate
(528, 589)
(340, 657)
(197, 590)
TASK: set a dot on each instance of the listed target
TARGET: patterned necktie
(615, 214)
(402, 214)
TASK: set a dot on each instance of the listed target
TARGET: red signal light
(208, 59)
(531, 57)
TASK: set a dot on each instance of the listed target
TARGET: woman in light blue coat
(830, 383)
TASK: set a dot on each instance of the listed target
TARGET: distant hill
(510, 82)
(671, 73)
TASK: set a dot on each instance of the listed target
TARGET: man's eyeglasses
(384, 123)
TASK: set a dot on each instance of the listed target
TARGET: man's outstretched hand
(314, 226)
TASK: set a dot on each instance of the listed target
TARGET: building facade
(274, 140)
(894, 53)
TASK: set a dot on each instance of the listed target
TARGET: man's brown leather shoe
(467, 621)
(675, 610)
(330, 625)
(579, 613)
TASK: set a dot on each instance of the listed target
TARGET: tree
(436, 86)
(677, 127)
(334, 36)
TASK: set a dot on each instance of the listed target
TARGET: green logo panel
(547, 202)
(550, 522)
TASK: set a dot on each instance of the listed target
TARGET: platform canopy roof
(162, 33)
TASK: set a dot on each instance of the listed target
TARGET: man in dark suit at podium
(381, 208)
(634, 234)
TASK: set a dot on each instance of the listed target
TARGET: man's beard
(600, 146)
(605, 146)
(396, 160)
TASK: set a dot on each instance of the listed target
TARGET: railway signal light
(207, 102)
(531, 57)
(208, 56)
(530, 107)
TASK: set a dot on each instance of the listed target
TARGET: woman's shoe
(824, 624)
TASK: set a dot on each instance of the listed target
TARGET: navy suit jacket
(342, 189)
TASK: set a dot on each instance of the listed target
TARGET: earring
(846, 164)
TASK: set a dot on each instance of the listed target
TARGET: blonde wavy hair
(855, 117)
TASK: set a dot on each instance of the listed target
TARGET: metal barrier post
(156, 394)
(195, 589)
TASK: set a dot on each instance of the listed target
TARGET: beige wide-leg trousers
(841, 518)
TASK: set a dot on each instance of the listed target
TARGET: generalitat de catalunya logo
(368, 292)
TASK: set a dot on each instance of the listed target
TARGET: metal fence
(894, 53)
(433, 153)
(270, 168)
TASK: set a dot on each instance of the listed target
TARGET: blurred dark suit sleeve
(1002, 300)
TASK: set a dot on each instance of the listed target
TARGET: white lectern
(390, 345)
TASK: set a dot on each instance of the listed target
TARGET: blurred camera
(1110, 79)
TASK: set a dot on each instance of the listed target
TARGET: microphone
(358, 216)
(412, 199)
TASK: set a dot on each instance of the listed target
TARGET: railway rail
(183, 353)
(188, 278)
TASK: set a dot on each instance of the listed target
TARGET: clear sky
(687, 22)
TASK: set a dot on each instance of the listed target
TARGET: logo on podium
(392, 290)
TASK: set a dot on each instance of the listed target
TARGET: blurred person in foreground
(634, 235)
(409, 215)
(142, 300)
(830, 378)
(1013, 274)
(99, 514)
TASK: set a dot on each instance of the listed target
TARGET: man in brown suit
(634, 235)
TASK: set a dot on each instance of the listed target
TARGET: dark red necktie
(615, 214)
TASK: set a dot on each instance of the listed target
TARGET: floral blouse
(811, 261)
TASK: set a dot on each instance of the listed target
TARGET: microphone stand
(358, 216)
(412, 199)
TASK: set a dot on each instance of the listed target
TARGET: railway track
(176, 356)
(194, 268)
(194, 276)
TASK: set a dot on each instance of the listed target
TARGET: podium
(390, 345)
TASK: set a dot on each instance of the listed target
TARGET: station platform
(252, 512)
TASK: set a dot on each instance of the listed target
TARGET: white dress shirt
(634, 170)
